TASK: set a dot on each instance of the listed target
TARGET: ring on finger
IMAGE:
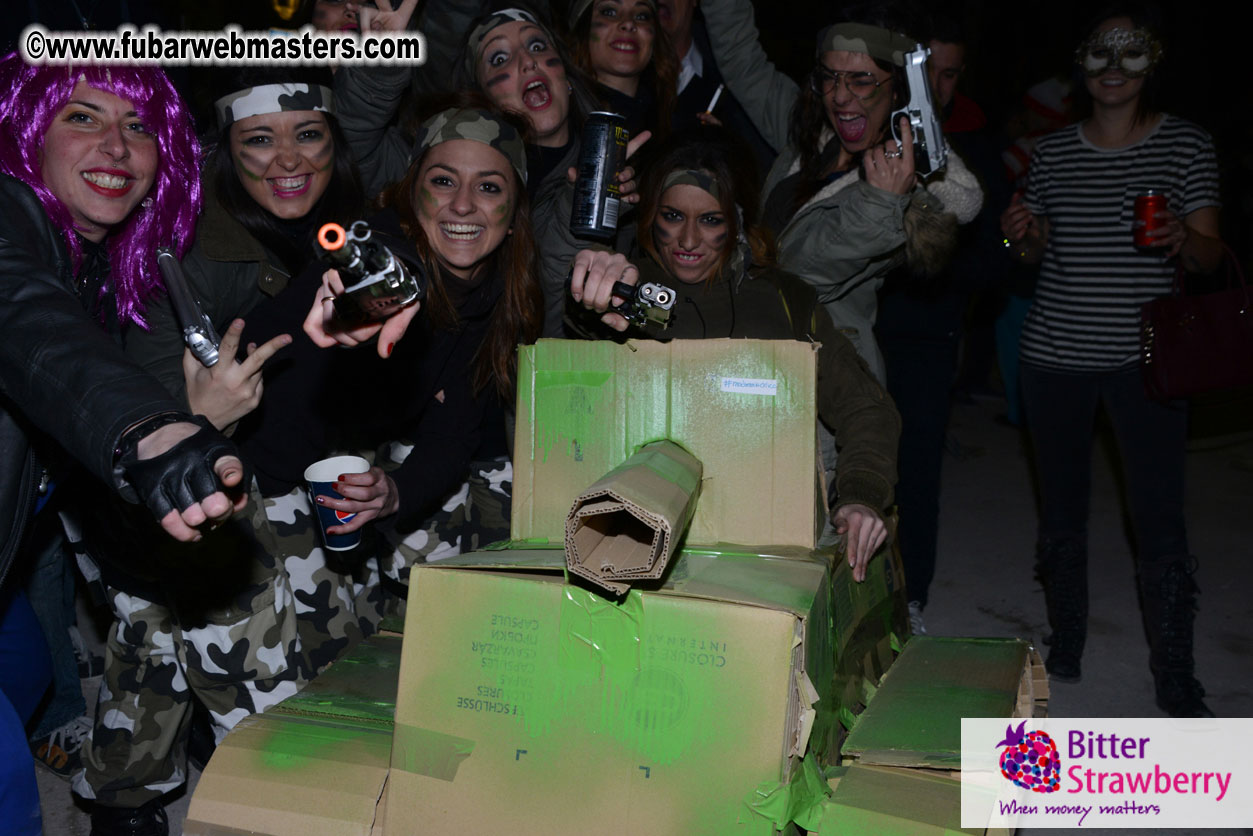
(891, 155)
(330, 297)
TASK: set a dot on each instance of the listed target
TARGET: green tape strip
(802, 800)
(427, 752)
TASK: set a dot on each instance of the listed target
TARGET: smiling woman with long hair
(620, 44)
(98, 169)
(460, 216)
(1080, 342)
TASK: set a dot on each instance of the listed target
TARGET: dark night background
(1206, 73)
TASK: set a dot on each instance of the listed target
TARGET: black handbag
(1198, 342)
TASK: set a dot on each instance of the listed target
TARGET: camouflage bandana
(273, 98)
(578, 7)
(698, 177)
(500, 18)
(869, 40)
(477, 125)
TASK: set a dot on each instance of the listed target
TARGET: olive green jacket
(772, 304)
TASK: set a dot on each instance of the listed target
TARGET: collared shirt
(692, 65)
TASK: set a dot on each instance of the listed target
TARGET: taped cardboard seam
(428, 752)
(802, 800)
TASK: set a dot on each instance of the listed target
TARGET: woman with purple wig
(97, 168)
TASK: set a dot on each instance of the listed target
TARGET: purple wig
(31, 96)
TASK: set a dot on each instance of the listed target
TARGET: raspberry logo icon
(1030, 759)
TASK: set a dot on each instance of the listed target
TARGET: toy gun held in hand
(377, 283)
(930, 150)
(198, 332)
(642, 303)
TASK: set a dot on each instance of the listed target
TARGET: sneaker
(916, 625)
(61, 750)
(148, 820)
(89, 664)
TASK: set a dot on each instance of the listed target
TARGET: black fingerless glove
(182, 475)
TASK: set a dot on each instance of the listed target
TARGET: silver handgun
(198, 332)
(930, 149)
(377, 282)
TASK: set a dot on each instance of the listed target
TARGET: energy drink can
(1144, 217)
(596, 194)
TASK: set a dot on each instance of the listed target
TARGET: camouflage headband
(870, 40)
(478, 125)
(500, 18)
(698, 177)
(273, 98)
(578, 7)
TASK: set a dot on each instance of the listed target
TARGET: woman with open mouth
(230, 637)
(698, 234)
(842, 198)
(1081, 339)
(461, 217)
(97, 169)
(620, 45)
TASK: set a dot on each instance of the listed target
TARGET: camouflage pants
(288, 617)
(471, 517)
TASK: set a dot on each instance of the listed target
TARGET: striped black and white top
(1093, 279)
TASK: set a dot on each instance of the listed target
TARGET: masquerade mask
(1135, 52)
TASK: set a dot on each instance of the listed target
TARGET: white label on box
(750, 386)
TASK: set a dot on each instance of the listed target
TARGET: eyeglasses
(862, 85)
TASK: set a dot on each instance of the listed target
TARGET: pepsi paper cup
(320, 476)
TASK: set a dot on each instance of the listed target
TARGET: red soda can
(1144, 217)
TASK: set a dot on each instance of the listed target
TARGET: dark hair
(519, 313)
(809, 114)
(344, 198)
(662, 72)
(1142, 16)
(734, 170)
(581, 99)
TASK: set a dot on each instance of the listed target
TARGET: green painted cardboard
(315, 765)
(876, 801)
(744, 408)
(627, 525)
(551, 710)
(914, 719)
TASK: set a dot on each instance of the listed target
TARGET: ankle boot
(1062, 567)
(1168, 598)
(148, 820)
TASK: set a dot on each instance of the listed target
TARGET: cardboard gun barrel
(627, 525)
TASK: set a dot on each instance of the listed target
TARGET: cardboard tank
(660, 648)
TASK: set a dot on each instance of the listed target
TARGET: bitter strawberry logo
(1030, 759)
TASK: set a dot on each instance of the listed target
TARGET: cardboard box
(914, 718)
(627, 526)
(744, 408)
(883, 801)
(315, 765)
(537, 707)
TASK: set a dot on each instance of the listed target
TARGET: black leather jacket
(63, 381)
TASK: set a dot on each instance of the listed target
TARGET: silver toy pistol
(930, 150)
(198, 331)
(377, 283)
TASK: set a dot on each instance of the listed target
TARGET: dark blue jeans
(24, 676)
(1061, 412)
